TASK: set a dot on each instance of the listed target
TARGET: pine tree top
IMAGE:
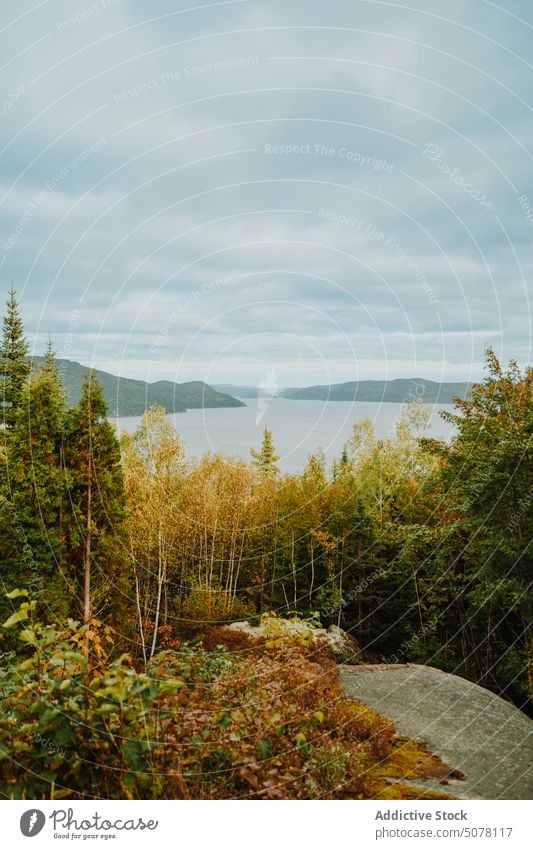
(15, 366)
(13, 341)
(266, 459)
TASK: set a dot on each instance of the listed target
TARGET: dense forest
(381, 391)
(121, 560)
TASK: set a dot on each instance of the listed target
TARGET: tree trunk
(339, 617)
(139, 611)
(87, 550)
(293, 564)
(311, 588)
(159, 588)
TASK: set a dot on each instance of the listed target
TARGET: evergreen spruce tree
(97, 543)
(18, 566)
(14, 363)
(35, 507)
(50, 358)
(266, 459)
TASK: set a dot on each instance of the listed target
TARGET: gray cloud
(357, 173)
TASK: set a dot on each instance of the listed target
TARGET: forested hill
(128, 397)
(399, 391)
(241, 391)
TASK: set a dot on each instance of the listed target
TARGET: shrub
(193, 724)
(75, 722)
(233, 640)
(208, 606)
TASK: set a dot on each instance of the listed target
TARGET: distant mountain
(238, 391)
(399, 391)
(128, 397)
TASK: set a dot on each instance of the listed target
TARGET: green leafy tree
(488, 466)
(484, 506)
(97, 536)
(15, 365)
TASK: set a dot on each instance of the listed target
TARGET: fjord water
(299, 428)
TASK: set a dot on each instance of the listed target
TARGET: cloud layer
(333, 191)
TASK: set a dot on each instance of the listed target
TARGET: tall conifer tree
(14, 363)
(97, 542)
(38, 492)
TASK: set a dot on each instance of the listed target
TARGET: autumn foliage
(270, 724)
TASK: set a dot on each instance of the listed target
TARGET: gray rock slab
(470, 728)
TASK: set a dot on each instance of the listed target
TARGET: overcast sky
(289, 191)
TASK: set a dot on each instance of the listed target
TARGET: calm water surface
(299, 428)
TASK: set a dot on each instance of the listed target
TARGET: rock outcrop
(343, 646)
(470, 728)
